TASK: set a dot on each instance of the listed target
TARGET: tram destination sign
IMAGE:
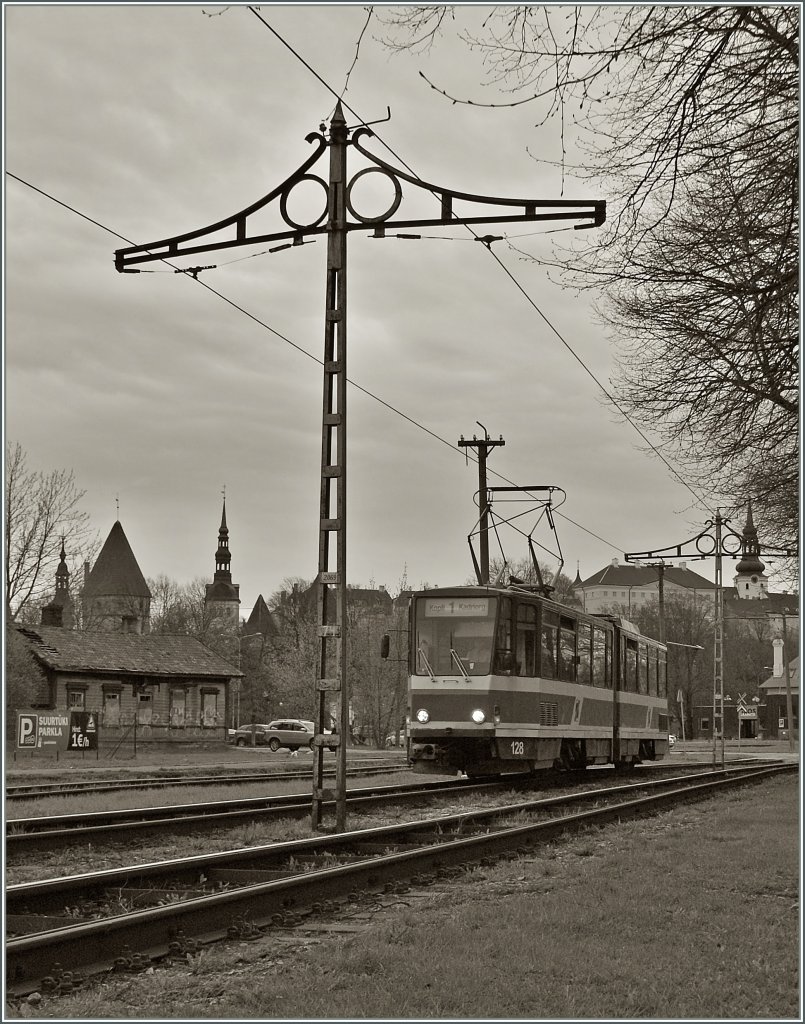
(448, 607)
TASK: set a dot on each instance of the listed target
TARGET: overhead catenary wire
(699, 500)
(299, 348)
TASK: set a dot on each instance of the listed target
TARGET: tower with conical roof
(750, 580)
(116, 598)
(260, 620)
(221, 600)
(59, 611)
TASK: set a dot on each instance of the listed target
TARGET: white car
(671, 739)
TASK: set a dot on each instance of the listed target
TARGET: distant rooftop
(152, 654)
(631, 575)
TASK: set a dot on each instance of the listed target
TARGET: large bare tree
(686, 118)
(41, 508)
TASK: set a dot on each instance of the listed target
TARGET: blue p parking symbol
(27, 728)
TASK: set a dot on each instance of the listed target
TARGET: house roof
(737, 607)
(150, 654)
(116, 573)
(642, 576)
(776, 684)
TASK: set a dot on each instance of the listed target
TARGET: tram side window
(642, 671)
(584, 661)
(662, 683)
(600, 675)
(504, 650)
(652, 671)
(550, 640)
(567, 648)
(629, 665)
(527, 645)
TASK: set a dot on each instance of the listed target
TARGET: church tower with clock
(221, 600)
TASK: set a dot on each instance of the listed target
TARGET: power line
(699, 500)
(300, 349)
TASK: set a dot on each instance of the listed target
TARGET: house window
(704, 724)
(111, 707)
(178, 707)
(76, 700)
(209, 707)
(144, 709)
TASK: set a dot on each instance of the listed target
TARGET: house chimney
(615, 562)
(683, 565)
(86, 572)
(52, 614)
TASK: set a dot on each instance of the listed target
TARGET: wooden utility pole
(483, 447)
(789, 701)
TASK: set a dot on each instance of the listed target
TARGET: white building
(633, 586)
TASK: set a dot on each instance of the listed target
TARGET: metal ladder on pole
(332, 615)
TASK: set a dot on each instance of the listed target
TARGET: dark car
(242, 737)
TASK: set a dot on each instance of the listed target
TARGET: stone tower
(221, 601)
(59, 611)
(750, 580)
(116, 598)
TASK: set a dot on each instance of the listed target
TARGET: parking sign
(27, 730)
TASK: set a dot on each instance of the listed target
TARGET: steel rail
(42, 893)
(96, 946)
(33, 791)
(53, 830)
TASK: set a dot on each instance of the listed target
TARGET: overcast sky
(155, 120)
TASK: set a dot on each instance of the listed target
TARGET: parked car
(242, 737)
(671, 739)
(292, 733)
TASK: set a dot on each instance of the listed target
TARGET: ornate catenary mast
(340, 217)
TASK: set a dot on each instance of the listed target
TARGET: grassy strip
(692, 914)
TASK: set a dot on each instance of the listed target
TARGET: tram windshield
(454, 635)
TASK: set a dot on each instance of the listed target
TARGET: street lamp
(236, 708)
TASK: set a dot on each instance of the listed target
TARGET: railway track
(61, 930)
(54, 832)
(34, 790)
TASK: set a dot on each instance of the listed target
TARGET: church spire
(62, 573)
(59, 611)
(222, 555)
(750, 581)
(222, 600)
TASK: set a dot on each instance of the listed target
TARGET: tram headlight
(478, 716)
(422, 716)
